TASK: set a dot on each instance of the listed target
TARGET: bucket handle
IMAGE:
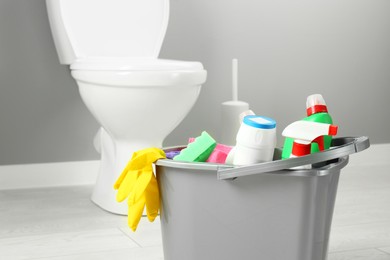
(340, 147)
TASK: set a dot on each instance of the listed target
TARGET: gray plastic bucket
(262, 211)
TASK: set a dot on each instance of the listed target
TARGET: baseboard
(85, 172)
(26, 176)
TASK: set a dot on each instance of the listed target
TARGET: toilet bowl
(137, 98)
(136, 108)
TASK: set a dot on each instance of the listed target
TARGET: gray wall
(286, 50)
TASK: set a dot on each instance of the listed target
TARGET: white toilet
(112, 48)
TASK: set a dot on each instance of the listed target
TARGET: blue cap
(260, 122)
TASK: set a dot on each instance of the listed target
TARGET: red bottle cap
(315, 104)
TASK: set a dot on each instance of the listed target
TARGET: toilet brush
(231, 110)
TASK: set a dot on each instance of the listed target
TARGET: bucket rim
(323, 162)
(323, 170)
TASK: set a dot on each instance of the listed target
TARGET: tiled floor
(63, 224)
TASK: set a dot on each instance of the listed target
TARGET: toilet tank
(107, 28)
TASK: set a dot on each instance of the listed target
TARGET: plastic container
(256, 140)
(231, 111)
(230, 120)
(262, 211)
(316, 111)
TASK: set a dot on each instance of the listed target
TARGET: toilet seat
(131, 64)
(122, 72)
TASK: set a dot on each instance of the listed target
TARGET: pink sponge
(219, 154)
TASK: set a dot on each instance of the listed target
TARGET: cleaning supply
(199, 150)
(138, 184)
(172, 154)
(256, 140)
(231, 110)
(246, 113)
(304, 133)
(219, 153)
(230, 156)
(316, 111)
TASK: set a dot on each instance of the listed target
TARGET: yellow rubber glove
(138, 183)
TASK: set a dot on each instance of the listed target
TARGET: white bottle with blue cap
(255, 141)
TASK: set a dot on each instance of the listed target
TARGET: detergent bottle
(255, 140)
(304, 134)
(316, 111)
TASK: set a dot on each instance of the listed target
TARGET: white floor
(63, 224)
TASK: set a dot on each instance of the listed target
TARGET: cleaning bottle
(256, 140)
(231, 110)
(304, 133)
(316, 111)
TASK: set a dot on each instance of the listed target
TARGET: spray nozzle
(306, 132)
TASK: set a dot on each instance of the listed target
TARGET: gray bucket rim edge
(343, 147)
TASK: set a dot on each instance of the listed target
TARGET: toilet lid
(130, 64)
(115, 28)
